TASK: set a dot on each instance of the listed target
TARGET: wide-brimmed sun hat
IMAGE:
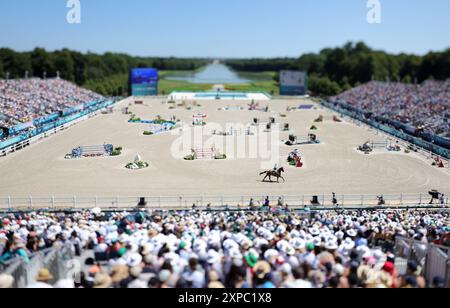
(6, 281)
(44, 275)
(261, 269)
(351, 233)
(119, 273)
(213, 257)
(102, 281)
(314, 231)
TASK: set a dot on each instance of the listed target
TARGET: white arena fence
(221, 202)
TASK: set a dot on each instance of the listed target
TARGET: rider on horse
(276, 172)
(275, 168)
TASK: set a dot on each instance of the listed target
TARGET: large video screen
(292, 78)
(144, 76)
(293, 83)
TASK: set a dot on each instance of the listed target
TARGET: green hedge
(117, 151)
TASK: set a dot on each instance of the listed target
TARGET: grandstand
(24, 100)
(33, 109)
(420, 108)
(267, 246)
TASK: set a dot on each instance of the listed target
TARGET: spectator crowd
(244, 249)
(425, 106)
(23, 100)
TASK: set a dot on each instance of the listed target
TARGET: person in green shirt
(13, 250)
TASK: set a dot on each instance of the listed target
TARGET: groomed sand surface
(334, 165)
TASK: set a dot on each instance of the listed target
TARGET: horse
(269, 174)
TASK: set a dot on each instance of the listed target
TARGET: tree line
(334, 70)
(106, 73)
(331, 71)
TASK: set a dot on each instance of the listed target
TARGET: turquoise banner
(146, 89)
(293, 90)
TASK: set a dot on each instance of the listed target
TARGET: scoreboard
(144, 82)
(293, 83)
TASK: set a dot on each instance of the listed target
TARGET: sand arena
(333, 165)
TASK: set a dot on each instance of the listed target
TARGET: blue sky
(226, 28)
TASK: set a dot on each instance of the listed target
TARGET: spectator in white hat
(6, 281)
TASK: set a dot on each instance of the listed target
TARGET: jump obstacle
(305, 107)
(438, 162)
(379, 145)
(311, 139)
(256, 107)
(93, 151)
(369, 146)
(268, 125)
(235, 108)
(204, 153)
(160, 128)
(108, 110)
(294, 159)
(199, 119)
(257, 121)
(156, 126)
(233, 132)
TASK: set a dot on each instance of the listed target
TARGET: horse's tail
(265, 172)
